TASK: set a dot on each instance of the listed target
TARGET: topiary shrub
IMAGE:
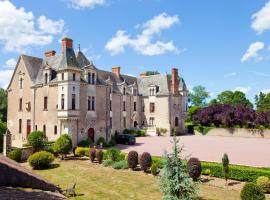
(132, 159)
(225, 164)
(113, 154)
(63, 145)
(85, 143)
(37, 140)
(40, 160)
(145, 161)
(264, 183)
(92, 154)
(107, 163)
(15, 154)
(99, 155)
(194, 168)
(252, 192)
(120, 165)
(154, 169)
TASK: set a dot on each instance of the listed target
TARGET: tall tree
(262, 102)
(3, 105)
(198, 96)
(232, 98)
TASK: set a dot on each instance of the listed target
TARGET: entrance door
(91, 134)
(28, 127)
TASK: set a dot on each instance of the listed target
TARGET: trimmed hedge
(41, 160)
(82, 151)
(15, 154)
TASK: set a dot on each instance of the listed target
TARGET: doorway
(28, 127)
(91, 134)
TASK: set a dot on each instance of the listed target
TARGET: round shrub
(113, 154)
(120, 165)
(101, 140)
(15, 154)
(99, 155)
(132, 159)
(82, 151)
(63, 145)
(194, 168)
(37, 140)
(85, 143)
(154, 169)
(40, 160)
(145, 161)
(92, 154)
(252, 192)
(264, 183)
(107, 163)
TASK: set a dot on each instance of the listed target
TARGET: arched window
(176, 123)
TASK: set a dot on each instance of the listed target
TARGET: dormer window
(134, 91)
(153, 90)
(74, 77)
(46, 79)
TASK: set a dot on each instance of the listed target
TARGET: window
(74, 77)
(63, 76)
(124, 91)
(142, 123)
(143, 109)
(157, 89)
(20, 125)
(110, 90)
(152, 107)
(134, 92)
(135, 106)
(124, 122)
(93, 78)
(110, 122)
(44, 129)
(93, 103)
(21, 83)
(176, 122)
(151, 121)
(46, 79)
(45, 103)
(55, 130)
(62, 101)
(110, 105)
(73, 102)
(35, 127)
(20, 104)
(124, 106)
(89, 78)
(89, 103)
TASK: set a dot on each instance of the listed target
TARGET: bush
(113, 154)
(74, 150)
(194, 168)
(252, 192)
(3, 128)
(101, 140)
(37, 140)
(40, 160)
(132, 159)
(225, 163)
(107, 163)
(82, 151)
(264, 183)
(202, 129)
(145, 161)
(154, 169)
(63, 145)
(50, 149)
(85, 143)
(99, 155)
(92, 154)
(15, 154)
(120, 165)
(207, 172)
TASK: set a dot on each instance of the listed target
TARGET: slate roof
(33, 65)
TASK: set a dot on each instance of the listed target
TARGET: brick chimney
(175, 81)
(67, 43)
(50, 53)
(116, 71)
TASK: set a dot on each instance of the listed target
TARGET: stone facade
(66, 93)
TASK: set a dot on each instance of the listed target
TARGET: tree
(63, 145)
(262, 102)
(198, 96)
(3, 128)
(225, 163)
(174, 181)
(149, 73)
(232, 98)
(3, 105)
(191, 111)
(37, 140)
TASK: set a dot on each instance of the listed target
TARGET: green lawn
(95, 182)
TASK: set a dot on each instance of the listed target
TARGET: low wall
(238, 132)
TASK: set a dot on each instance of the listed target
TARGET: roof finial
(79, 46)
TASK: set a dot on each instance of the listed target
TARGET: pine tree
(225, 162)
(174, 181)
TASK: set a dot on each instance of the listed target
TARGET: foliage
(191, 111)
(194, 168)
(132, 159)
(136, 133)
(232, 98)
(150, 73)
(225, 164)
(174, 181)
(99, 155)
(92, 155)
(40, 160)
(154, 169)
(161, 131)
(3, 128)
(101, 140)
(107, 163)
(37, 140)
(113, 154)
(207, 172)
(198, 96)
(15, 154)
(85, 143)
(264, 183)
(262, 102)
(3, 105)
(82, 151)
(145, 161)
(63, 145)
(120, 165)
(252, 192)
(202, 129)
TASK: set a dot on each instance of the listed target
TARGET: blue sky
(222, 45)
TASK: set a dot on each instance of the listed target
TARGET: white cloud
(252, 52)
(5, 76)
(261, 19)
(245, 90)
(265, 91)
(143, 42)
(50, 26)
(10, 64)
(86, 3)
(18, 32)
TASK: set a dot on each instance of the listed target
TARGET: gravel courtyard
(242, 151)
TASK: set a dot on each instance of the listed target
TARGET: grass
(95, 182)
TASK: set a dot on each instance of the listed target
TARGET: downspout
(34, 110)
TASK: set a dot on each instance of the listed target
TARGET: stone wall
(6, 143)
(238, 132)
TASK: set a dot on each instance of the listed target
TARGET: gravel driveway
(242, 151)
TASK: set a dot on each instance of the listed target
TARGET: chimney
(49, 53)
(143, 74)
(67, 43)
(116, 71)
(175, 81)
